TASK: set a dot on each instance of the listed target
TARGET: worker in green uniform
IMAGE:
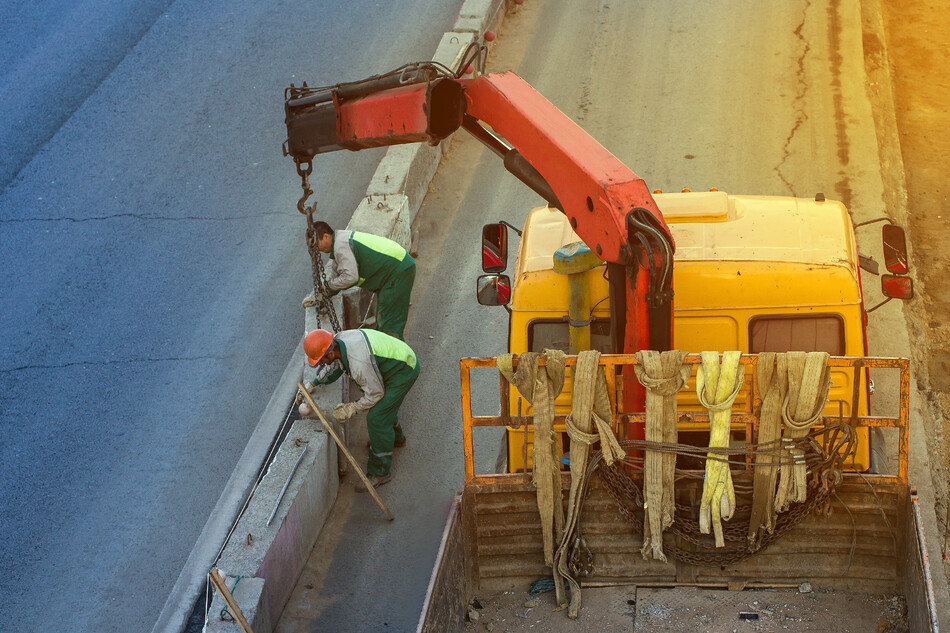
(385, 368)
(376, 264)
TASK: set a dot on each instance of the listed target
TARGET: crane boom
(609, 206)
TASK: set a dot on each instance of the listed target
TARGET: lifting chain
(321, 291)
(581, 560)
(710, 556)
(825, 475)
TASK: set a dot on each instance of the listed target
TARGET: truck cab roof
(717, 226)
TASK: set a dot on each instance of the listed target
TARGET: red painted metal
(636, 338)
(390, 117)
(596, 189)
(897, 287)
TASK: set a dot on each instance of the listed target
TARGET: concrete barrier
(478, 16)
(250, 594)
(277, 552)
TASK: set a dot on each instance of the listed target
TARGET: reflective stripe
(380, 245)
(386, 346)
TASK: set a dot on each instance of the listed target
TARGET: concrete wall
(276, 553)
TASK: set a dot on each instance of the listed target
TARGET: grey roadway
(750, 98)
(152, 267)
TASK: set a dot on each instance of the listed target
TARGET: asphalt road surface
(760, 98)
(153, 264)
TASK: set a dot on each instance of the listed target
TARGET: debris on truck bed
(692, 609)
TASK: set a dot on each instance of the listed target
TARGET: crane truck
(596, 269)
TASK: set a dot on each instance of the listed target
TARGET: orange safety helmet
(316, 344)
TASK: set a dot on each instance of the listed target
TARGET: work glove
(344, 411)
(309, 301)
(310, 389)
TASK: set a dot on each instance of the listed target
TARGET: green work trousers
(392, 303)
(383, 424)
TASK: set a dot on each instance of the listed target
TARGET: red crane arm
(608, 205)
(596, 189)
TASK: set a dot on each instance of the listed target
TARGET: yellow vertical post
(574, 260)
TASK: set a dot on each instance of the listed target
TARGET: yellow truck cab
(751, 273)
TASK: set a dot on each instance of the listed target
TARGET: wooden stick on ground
(349, 456)
(222, 588)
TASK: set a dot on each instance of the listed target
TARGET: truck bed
(862, 563)
(851, 557)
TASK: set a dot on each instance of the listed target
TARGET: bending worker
(385, 368)
(376, 264)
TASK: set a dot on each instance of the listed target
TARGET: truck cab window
(823, 333)
(555, 335)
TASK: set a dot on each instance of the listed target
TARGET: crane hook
(304, 169)
(305, 210)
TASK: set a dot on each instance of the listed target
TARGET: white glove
(310, 387)
(305, 410)
(344, 411)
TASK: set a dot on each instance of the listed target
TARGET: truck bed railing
(745, 416)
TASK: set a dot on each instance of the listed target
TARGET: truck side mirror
(894, 287)
(493, 290)
(494, 248)
(895, 249)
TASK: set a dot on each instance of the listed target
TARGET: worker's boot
(375, 480)
(400, 438)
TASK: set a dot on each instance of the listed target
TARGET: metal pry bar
(287, 483)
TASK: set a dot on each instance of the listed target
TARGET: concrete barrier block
(478, 16)
(384, 215)
(277, 552)
(310, 319)
(251, 597)
(453, 45)
(356, 303)
(406, 170)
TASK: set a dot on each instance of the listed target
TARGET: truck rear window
(797, 333)
(556, 335)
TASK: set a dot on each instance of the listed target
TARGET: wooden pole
(222, 588)
(349, 456)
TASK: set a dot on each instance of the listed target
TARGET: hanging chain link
(321, 291)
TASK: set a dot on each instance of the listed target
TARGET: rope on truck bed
(663, 375)
(540, 385)
(717, 387)
(772, 376)
(791, 475)
(795, 387)
(587, 423)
